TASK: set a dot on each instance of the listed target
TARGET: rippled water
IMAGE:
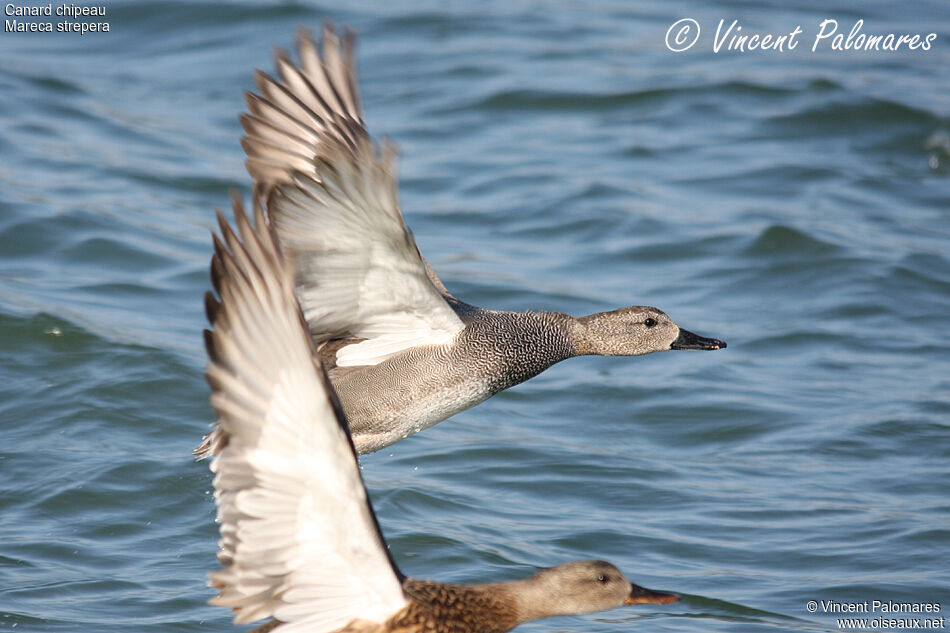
(796, 205)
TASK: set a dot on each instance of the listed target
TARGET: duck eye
(650, 322)
(602, 578)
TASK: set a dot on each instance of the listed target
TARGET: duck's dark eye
(650, 322)
(602, 578)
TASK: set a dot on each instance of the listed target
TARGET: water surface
(555, 157)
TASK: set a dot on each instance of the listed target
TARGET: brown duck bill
(642, 595)
(688, 340)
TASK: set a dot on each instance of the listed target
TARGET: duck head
(634, 331)
(581, 587)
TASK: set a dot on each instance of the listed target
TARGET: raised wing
(332, 197)
(299, 540)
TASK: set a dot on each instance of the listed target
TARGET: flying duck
(402, 353)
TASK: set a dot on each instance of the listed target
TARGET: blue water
(554, 156)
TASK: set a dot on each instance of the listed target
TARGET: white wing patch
(359, 276)
(298, 538)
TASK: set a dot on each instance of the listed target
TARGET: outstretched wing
(299, 540)
(332, 197)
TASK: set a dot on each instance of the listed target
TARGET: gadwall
(300, 543)
(402, 353)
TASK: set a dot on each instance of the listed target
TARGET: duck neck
(523, 344)
(557, 330)
(533, 599)
(587, 334)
